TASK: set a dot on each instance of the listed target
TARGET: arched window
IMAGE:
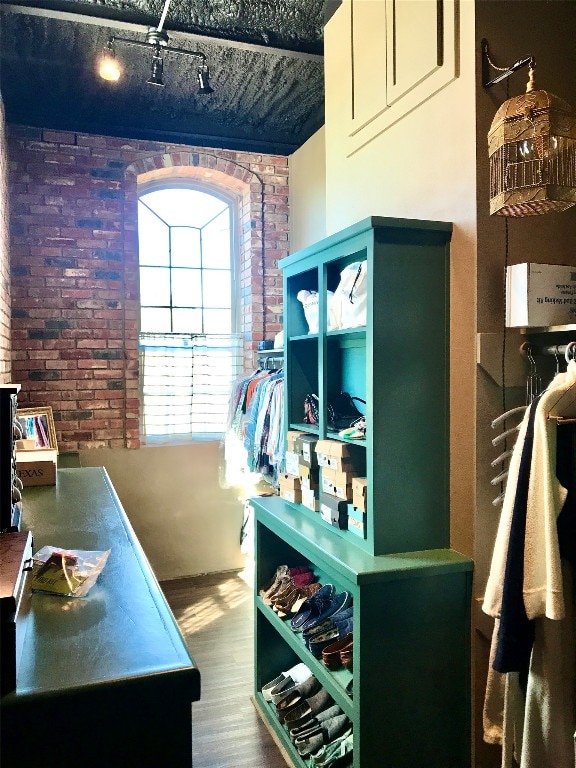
(190, 351)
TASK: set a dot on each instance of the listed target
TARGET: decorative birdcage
(532, 150)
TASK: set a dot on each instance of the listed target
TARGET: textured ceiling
(265, 60)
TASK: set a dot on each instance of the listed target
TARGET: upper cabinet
(397, 54)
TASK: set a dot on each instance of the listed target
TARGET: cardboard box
(37, 467)
(291, 436)
(309, 477)
(337, 483)
(334, 510)
(356, 513)
(290, 488)
(540, 295)
(343, 457)
(306, 445)
(359, 491)
(292, 463)
(356, 527)
(310, 499)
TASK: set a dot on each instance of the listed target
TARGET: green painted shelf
(411, 593)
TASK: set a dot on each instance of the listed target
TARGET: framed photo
(36, 424)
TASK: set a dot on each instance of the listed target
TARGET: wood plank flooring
(215, 615)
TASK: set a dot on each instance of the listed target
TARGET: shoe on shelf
(283, 606)
(313, 607)
(293, 676)
(310, 722)
(330, 608)
(331, 653)
(305, 706)
(287, 697)
(327, 732)
(319, 643)
(334, 622)
(281, 572)
(337, 754)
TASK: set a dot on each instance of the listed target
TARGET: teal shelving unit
(411, 593)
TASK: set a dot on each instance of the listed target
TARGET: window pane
(185, 243)
(186, 288)
(154, 320)
(188, 207)
(152, 238)
(155, 286)
(216, 242)
(216, 287)
(187, 320)
(217, 320)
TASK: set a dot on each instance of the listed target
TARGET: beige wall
(186, 523)
(423, 166)
(308, 192)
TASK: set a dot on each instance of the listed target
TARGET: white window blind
(185, 382)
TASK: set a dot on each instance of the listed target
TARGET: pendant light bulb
(108, 67)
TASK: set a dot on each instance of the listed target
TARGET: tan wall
(421, 166)
(187, 524)
(307, 168)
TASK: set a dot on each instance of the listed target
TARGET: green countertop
(123, 630)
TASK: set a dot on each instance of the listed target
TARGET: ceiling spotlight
(108, 67)
(156, 74)
(204, 80)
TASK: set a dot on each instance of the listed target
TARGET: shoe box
(337, 483)
(334, 510)
(290, 488)
(340, 456)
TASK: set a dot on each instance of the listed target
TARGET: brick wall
(4, 258)
(75, 267)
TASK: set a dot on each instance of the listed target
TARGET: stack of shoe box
(357, 510)
(308, 470)
(289, 482)
(340, 463)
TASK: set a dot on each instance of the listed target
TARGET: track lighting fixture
(157, 41)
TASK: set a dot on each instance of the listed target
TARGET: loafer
(337, 603)
(327, 732)
(293, 676)
(319, 643)
(306, 723)
(337, 753)
(299, 594)
(309, 706)
(331, 653)
(287, 697)
(313, 607)
(334, 622)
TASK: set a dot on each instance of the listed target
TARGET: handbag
(342, 411)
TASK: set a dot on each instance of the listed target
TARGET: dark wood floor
(215, 615)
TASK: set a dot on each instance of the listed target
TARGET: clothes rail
(556, 350)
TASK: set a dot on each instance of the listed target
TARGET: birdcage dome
(532, 150)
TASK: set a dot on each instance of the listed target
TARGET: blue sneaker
(338, 603)
(313, 606)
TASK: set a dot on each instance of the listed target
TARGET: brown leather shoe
(333, 655)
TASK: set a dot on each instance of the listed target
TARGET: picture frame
(37, 424)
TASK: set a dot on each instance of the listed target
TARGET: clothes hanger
(567, 416)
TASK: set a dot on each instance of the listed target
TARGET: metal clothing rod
(568, 351)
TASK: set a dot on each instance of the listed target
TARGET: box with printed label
(37, 467)
(334, 510)
(309, 477)
(540, 295)
(359, 491)
(290, 488)
(310, 499)
(337, 483)
(291, 436)
(356, 513)
(292, 463)
(356, 527)
(305, 445)
(341, 456)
